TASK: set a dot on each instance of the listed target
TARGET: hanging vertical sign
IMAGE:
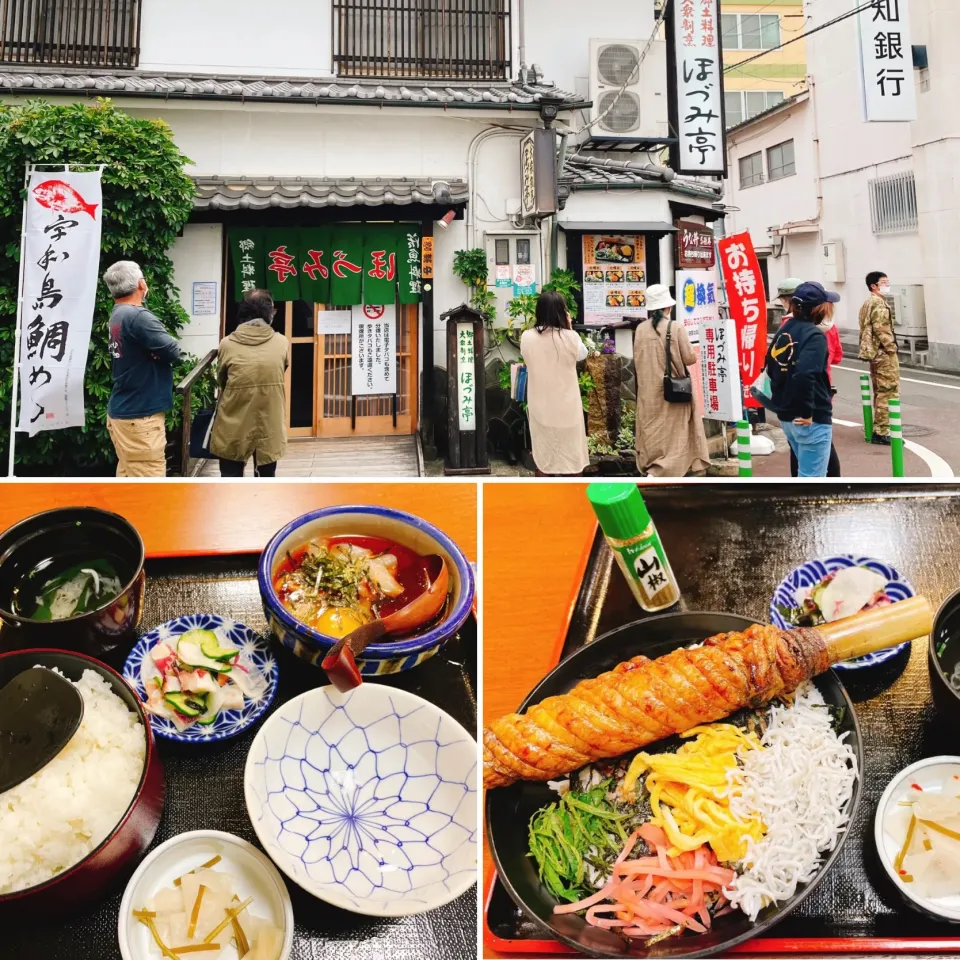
(696, 87)
(466, 370)
(719, 370)
(247, 253)
(886, 61)
(748, 306)
(61, 261)
(374, 346)
(413, 262)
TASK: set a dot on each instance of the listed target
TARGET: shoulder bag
(675, 389)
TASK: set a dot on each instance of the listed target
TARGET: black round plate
(508, 809)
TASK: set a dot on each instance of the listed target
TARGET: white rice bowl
(50, 822)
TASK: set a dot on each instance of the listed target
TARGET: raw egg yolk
(337, 622)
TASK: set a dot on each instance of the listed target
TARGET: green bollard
(743, 448)
(896, 438)
(867, 400)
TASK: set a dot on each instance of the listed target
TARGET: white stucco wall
(198, 258)
(237, 37)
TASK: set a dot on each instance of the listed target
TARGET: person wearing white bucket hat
(670, 438)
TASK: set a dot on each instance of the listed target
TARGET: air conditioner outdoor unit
(640, 111)
(909, 310)
(834, 266)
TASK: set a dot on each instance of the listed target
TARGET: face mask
(884, 289)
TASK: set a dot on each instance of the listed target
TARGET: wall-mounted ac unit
(909, 310)
(640, 111)
(832, 259)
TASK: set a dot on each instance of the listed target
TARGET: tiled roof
(577, 174)
(218, 194)
(503, 95)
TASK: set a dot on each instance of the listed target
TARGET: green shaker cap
(619, 508)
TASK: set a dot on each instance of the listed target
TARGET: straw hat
(658, 297)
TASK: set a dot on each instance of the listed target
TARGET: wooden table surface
(202, 519)
(535, 541)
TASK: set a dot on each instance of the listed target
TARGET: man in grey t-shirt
(143, 357)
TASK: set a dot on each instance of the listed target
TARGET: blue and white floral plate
(229, 723)
(367, 799)
(811, 573)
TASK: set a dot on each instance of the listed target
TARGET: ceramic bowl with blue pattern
(229, 723)
(387, 656)
(367, 799)
(814, 571)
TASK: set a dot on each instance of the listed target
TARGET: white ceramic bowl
(367, 799)
(930, 775)
(254, 874)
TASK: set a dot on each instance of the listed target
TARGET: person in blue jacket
(797, 364)
(143, 355)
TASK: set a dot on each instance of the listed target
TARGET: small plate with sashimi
(202, 677)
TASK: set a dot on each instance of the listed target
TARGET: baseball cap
(788, 287)
(812, 294)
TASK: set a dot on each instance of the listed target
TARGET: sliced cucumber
(210, 646)
(211, 711)
(193, 656)
(184, 703)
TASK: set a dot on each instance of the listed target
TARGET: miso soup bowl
(95, 876)
(67, 530)
(379, 658)
(943, 660)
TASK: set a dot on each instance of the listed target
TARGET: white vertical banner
(699, 86)
(374, 346)
(466, 373)
(720, 370)
(61, 263)
(886, 62)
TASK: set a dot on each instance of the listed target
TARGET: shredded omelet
(690, 791)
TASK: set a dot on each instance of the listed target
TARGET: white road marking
(926, 383)
(938, 467)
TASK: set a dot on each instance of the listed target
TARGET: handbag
(762, 391)
(675, 389)
(520, 383)
(201, 429)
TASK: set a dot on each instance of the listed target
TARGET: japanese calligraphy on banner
(720, 371)
(748, 306)
(694, 246)
(316, 256)
(696, 299)
(466, 374)
(614, 278)
(374, 351)
(886, 61)
(61, 261)
(283, 264)
(698, 72)
(246, 249)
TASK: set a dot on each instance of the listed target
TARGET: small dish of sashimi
(202, 677)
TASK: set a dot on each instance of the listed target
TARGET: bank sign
(886, 62)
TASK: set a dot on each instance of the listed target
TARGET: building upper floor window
(893, 203)
(73, 33)
(750, 31)
(422, 38)
(780, 161)
(741, 105)
(751, 170)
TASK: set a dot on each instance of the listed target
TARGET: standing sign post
(748, 307)
(720, 371)
(466, 397)
(696, 299)
(59, 268)
(886, 62)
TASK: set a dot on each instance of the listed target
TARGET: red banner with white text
(747, 300)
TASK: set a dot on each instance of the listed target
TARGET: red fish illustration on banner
(62, 198)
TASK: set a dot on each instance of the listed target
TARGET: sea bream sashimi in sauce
(192, 678)
(337, 584)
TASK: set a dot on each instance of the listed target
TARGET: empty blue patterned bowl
(367, 799)
(229, 723)
(404, 528)
(811, 573)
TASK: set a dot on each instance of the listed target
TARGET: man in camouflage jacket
(878, 345)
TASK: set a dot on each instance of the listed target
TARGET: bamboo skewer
(878, 629)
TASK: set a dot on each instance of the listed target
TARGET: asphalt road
(931, 425)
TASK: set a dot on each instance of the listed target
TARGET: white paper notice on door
(330, 322)
(374, 351)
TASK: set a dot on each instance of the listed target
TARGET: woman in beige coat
(551, 351)
(251, 413)
(670, 438)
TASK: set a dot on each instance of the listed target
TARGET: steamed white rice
(53, 820)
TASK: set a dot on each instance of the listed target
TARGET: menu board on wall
(614, 278)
